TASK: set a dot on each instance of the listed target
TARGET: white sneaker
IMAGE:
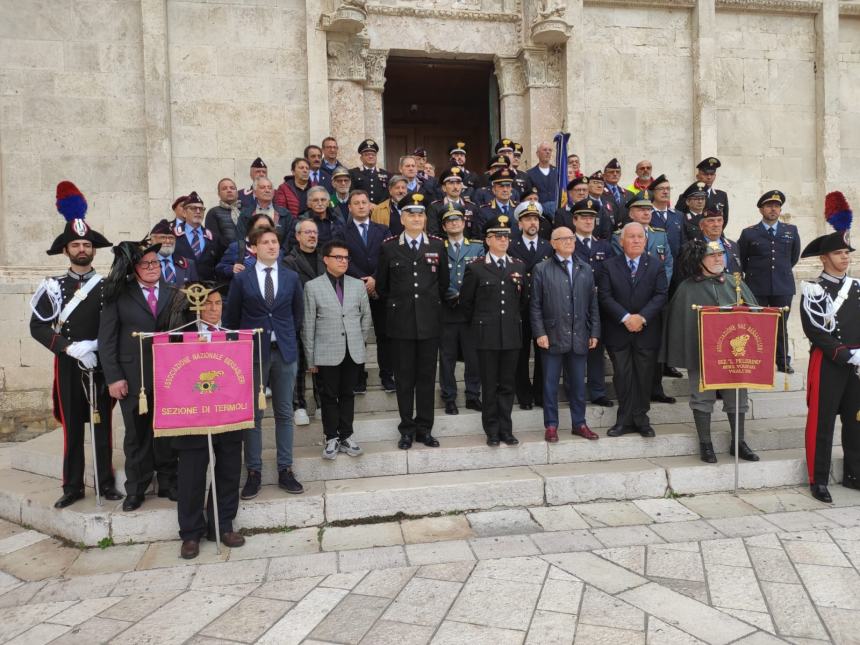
(268, 393)
(350, 447)
(318, 414)
(300, 417)
(330, 449)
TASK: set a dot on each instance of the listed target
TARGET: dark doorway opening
(433, 104)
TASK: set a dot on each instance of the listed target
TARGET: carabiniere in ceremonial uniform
(66, 311)
(495, 296)
(830, 313)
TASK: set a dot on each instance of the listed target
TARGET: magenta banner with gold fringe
(203, 384)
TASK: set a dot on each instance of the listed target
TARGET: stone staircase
(463, 474)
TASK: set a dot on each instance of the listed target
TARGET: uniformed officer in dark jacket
(706, 173)
(413, 278)
(502, 203)
(712, 225)
(457, 156)
(531, 249)
(451, 181)
(258, 169)
(66, 321)
(768, 252)
(456, 338)
(368, 176)
(483, 194)
(495, 298)
(175, 269)
(522, 182)
(693, 203)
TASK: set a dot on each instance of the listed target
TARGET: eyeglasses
(564, 239)
(339, 258)
(148, 264)
(196, 209)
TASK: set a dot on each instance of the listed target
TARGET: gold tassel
(142, 405)
(261, 399)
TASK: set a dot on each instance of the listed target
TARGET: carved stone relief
(346, 58)
(375, 69)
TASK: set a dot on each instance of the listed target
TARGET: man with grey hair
(322, 213)
(544, 177)
(263, 202)
(388, 212)
(632, 289)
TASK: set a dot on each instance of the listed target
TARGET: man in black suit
(632, 290)
(364, 239)
(530, 249)
(137, 299)
(195, 242)
(494, 298)
(320, 176)
(368, 176)
(413, 278)
(175, 269)
(269, 296)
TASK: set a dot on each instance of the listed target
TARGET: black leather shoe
(474, 404)
(603, 402)
(788, 369)
(252, 485)
(171, 493)
(360, 388)
(405, 442)
(706, 452)
(820, 492)
(287, 480)
(132, 503)
(850, 482)
(662, 398)
(388, 385)
(111, 494)
(451, 408)
(68, 499)
(671, 372)
(492, 442)
(526, 406)
(428, 440)
(745, 452)
(511, 440)
(647, 431)
(619, 430)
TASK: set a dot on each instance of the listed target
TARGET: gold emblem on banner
(206, 383)
(739, 345)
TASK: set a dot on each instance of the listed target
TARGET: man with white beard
(175, 269)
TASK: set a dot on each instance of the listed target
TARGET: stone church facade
(138, 101)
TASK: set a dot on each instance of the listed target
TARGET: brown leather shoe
(551, 435)
(190, 549)
(584, 431)
(232, 539)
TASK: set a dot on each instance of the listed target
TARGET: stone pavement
(770, 566)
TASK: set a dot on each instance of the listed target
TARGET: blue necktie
(632, 268)
(195, 243)
(169, 273)
(363, 226)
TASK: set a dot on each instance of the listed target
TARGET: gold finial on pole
(737, 277)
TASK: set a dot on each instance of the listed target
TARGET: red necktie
(152, 301)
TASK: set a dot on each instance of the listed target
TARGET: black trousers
(191, 472)
(782, 357)
(383, 343)
(529, 390)
(337, 383)
(145, 455)
(498, 381)
(299, 400)
(456, 339)
(72, 410)
(415, 377)
(633, 370)
(831, 390)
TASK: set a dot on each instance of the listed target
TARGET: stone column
(156, 84)
(829, 161)
(544, 109)
(704, 80)
(374, 123)
(319, 126)
(346, 74)
(574, 78)
(512, 86)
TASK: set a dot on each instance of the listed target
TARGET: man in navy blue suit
(269, 296)
(545, 177)
(632, 289)
(195, 242)
(175, 269)
(364, 238)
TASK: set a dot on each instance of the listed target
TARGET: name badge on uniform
(599, 255)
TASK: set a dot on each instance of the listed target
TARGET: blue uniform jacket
(767, 260)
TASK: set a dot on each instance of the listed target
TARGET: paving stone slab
(601, 609)
(831, 586)
(558, 518)
(116, 559)
(301, 620)
(665, 510)
(526, 569)
(361, 536)
(551, 628)
(792, 611)
(20, 540)
(686, 531)
(455, 633)
(613, 536)
(354, 617)
(629, 557)
(561, 596)
(302, 566)
(385, 583)
(718, 506)
(386, 632)
(381, 557)
(513, 603)
(439, 552)
(664, 562)
(565, 541)
(734, 588)
(423, 602)
(45, 559)
(433, 529)
(514, 521)
(247, 620)
(504, 546)
(598, 514)
(269, 545)
(596, 571)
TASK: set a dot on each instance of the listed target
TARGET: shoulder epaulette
(434, 237)
(475, 259)
(753, 226)
(435, 201)
(388, 239)
(659, 230)
(515, 260)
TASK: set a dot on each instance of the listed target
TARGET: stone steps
(27, 498)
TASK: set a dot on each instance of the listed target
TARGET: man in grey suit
(337, 320)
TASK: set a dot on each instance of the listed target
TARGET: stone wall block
(31, 54)
(102, 20)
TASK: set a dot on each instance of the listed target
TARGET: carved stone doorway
(435, 103)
